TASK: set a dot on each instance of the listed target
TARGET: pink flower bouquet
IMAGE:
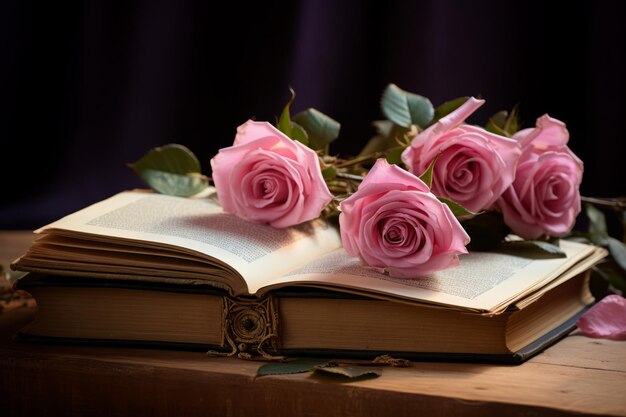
(428, 182)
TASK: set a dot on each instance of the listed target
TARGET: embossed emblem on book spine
(250, 328)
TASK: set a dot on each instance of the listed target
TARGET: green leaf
(394, 156)
(487, 230)
(427, 176)
(610, 280)
(457, 209)
(321, 129)
(350, 372)
(298, 133)
(615, 280)
(284, 122)
(448, 107)
(404, 108)
(597, 225)
(383, 127)
(511, 125)
(504, 123)
(386, 138)
(173, 158)
(618, 252)
(496, 123)
(296, 366)
(175, 184)
(329, 172)
(376, 144)
(171, 169)
(533, 249)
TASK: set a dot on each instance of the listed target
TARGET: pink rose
(606, 319)
(266, 177)
(393, 221)
(475, 166)
(544, 199)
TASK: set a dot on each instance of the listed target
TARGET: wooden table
(577, 376)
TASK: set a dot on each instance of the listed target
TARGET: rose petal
(549, 133)
(452, 120)
(252, 130)
(606, 319)
(384, 173)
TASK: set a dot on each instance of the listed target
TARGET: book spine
(250, 328)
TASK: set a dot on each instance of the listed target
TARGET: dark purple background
(88, 86)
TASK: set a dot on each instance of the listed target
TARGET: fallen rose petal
(606, 319)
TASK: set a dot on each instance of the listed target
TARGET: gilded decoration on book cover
(250, 328)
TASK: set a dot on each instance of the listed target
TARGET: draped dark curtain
(89, 86)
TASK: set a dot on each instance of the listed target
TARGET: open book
(142, 240)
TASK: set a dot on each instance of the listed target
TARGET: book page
(199, 225)
(483, 281)
(151, 230)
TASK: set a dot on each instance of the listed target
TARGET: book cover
(294, 321)
(149, 269)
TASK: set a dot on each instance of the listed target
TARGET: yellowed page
(266, 258)
(201, 228)
(485, 282)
